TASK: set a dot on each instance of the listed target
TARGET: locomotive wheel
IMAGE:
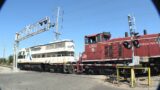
(47, 68)
(20, 67)
(90, 71)
(71, 69)
(65, 69)
(52, 70)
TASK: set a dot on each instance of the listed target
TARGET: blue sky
(81, 17)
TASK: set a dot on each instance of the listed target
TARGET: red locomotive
(101, 51)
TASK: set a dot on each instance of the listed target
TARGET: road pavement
(49, 81)
(31, 80)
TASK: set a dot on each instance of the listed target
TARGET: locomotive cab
(93, 46)
(91, 39)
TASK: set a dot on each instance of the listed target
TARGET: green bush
(8, 61)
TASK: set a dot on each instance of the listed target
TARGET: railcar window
(92, 40)
(56, 45)
(54, 54)
(33, 56)
(86, 40)
(67, 54)
(43, 55)
(35, 49)
(59, 54)
(50, 46)
(60, 45)
(105, 37)
(21, 55)
(71, 53)
(38, 56)
(48, 55)
(64, 53)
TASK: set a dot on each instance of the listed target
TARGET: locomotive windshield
(90, 40)
(97, 38)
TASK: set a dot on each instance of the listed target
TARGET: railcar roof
(64, 40)
(126, 38)
(92, 35)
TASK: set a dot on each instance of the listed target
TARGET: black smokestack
(126, 34)
(145, 32)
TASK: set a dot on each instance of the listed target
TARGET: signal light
(127, 45)
(136, 43)
(45, 22)
(41, 23)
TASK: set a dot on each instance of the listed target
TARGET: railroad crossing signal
(29, 31)
(133, 34)
(128, 45)
(34, 29)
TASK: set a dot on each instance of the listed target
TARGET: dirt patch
(141, 83)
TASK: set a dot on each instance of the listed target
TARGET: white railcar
(47, 56)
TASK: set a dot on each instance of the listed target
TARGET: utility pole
(16, 49)
(4, 51)
(57, 19)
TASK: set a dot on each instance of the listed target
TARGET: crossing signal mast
(32, 30)
(134, 43)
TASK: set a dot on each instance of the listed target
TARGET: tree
(10, 59)
(2, 60)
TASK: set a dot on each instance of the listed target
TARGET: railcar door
(115, 50)
(109, 51)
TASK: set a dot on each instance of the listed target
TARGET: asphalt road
(50, 81)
